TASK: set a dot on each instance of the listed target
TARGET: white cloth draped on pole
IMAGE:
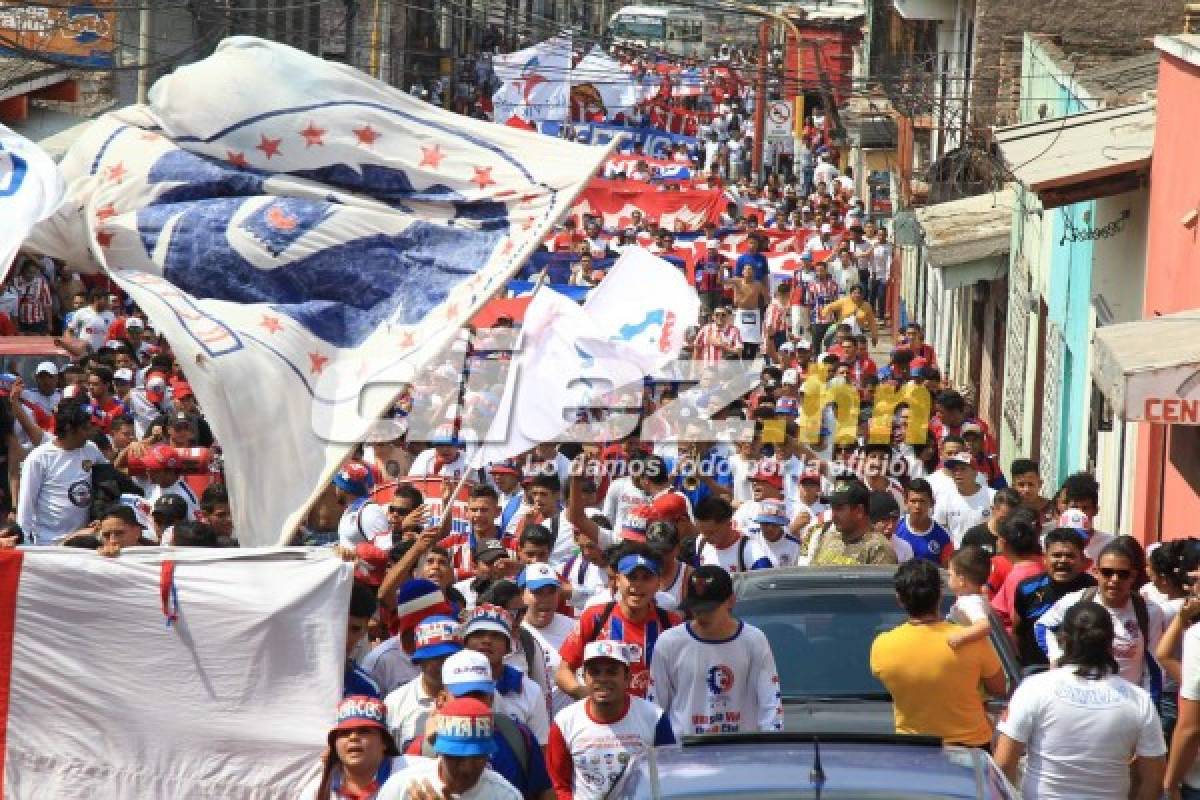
(232, 699)
(535, 82)
(308, 239)
(575, 357)
(31, 189)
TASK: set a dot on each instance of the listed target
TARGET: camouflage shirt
(834, 551)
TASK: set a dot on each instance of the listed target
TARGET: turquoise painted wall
(1069, 307)
(1048, 91)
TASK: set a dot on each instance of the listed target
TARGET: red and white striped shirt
(710, 341)
(776, 320)
(33, 300)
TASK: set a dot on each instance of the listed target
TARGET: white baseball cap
(134, 324)
(537, 576)
(48, 367)
(123, 374)
(468, 671)
(791, 377)
(617, 651)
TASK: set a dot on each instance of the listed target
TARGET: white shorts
(749, 325)
(799, 319)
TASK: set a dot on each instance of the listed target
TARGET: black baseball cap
(850, 493)
(170, 505)
(490, 550)
(707, 587)
(881, 505)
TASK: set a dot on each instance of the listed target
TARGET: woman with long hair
(1081, 724)
(362, 753)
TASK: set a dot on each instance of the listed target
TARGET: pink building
(1150, 369)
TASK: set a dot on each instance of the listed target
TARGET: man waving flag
(308, 239)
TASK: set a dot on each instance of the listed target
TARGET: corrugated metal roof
(1079, 147)
(1127, 77)
(971, 229)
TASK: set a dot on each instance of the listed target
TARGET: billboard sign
(69, 33)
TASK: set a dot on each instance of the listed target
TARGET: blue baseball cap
(633, 561)
(436, 636)
(771, 512)
(537, 576)
(465, 727)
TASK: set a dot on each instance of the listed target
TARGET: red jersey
(640, 639)
(710, 340)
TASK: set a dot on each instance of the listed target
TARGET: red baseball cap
(669, 507)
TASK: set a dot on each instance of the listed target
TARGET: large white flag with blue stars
(300, 231)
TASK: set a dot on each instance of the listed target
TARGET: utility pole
(760, 97)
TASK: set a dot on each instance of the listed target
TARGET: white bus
(677, 31)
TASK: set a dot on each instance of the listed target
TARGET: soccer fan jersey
(932, 544)
(640, 639)
(742, 556)
(587, 757)
(717, 687)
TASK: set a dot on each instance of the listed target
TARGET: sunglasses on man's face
(398, 510)
(1109, 573)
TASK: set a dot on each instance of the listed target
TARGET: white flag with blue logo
(31, 189)
(300, 231)
(574, 358)
(536, 82)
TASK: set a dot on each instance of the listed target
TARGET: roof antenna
(816, 775)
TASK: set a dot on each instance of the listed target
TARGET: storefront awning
(969, 239)
(1081, 156)
(1150, 369)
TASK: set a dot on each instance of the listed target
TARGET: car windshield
(822, 637)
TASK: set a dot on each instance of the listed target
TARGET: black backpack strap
(512, 734)
(528, 645)
(1143, 616)
(602, 620)
(742, 544)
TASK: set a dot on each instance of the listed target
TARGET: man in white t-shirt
(542, 588)
(90, 324)
(967, 504)
(1132, 647)
(45, 394)
(723, 545)
(1183, 769)
(715, 674)
(56, 478)
(772, 523)
(489, 630)
(592, 741)
(437, 640)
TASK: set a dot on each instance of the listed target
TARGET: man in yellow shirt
(935, 690)
(854, 310)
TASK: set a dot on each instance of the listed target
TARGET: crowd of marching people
(531, 628)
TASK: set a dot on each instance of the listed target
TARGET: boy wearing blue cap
(437, 640)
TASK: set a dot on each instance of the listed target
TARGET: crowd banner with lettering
(653, 141)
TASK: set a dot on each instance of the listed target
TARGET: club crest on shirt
(720, 679)
(87, 465)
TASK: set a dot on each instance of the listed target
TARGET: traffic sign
(779, 120)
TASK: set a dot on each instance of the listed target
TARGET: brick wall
(1120, 26)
